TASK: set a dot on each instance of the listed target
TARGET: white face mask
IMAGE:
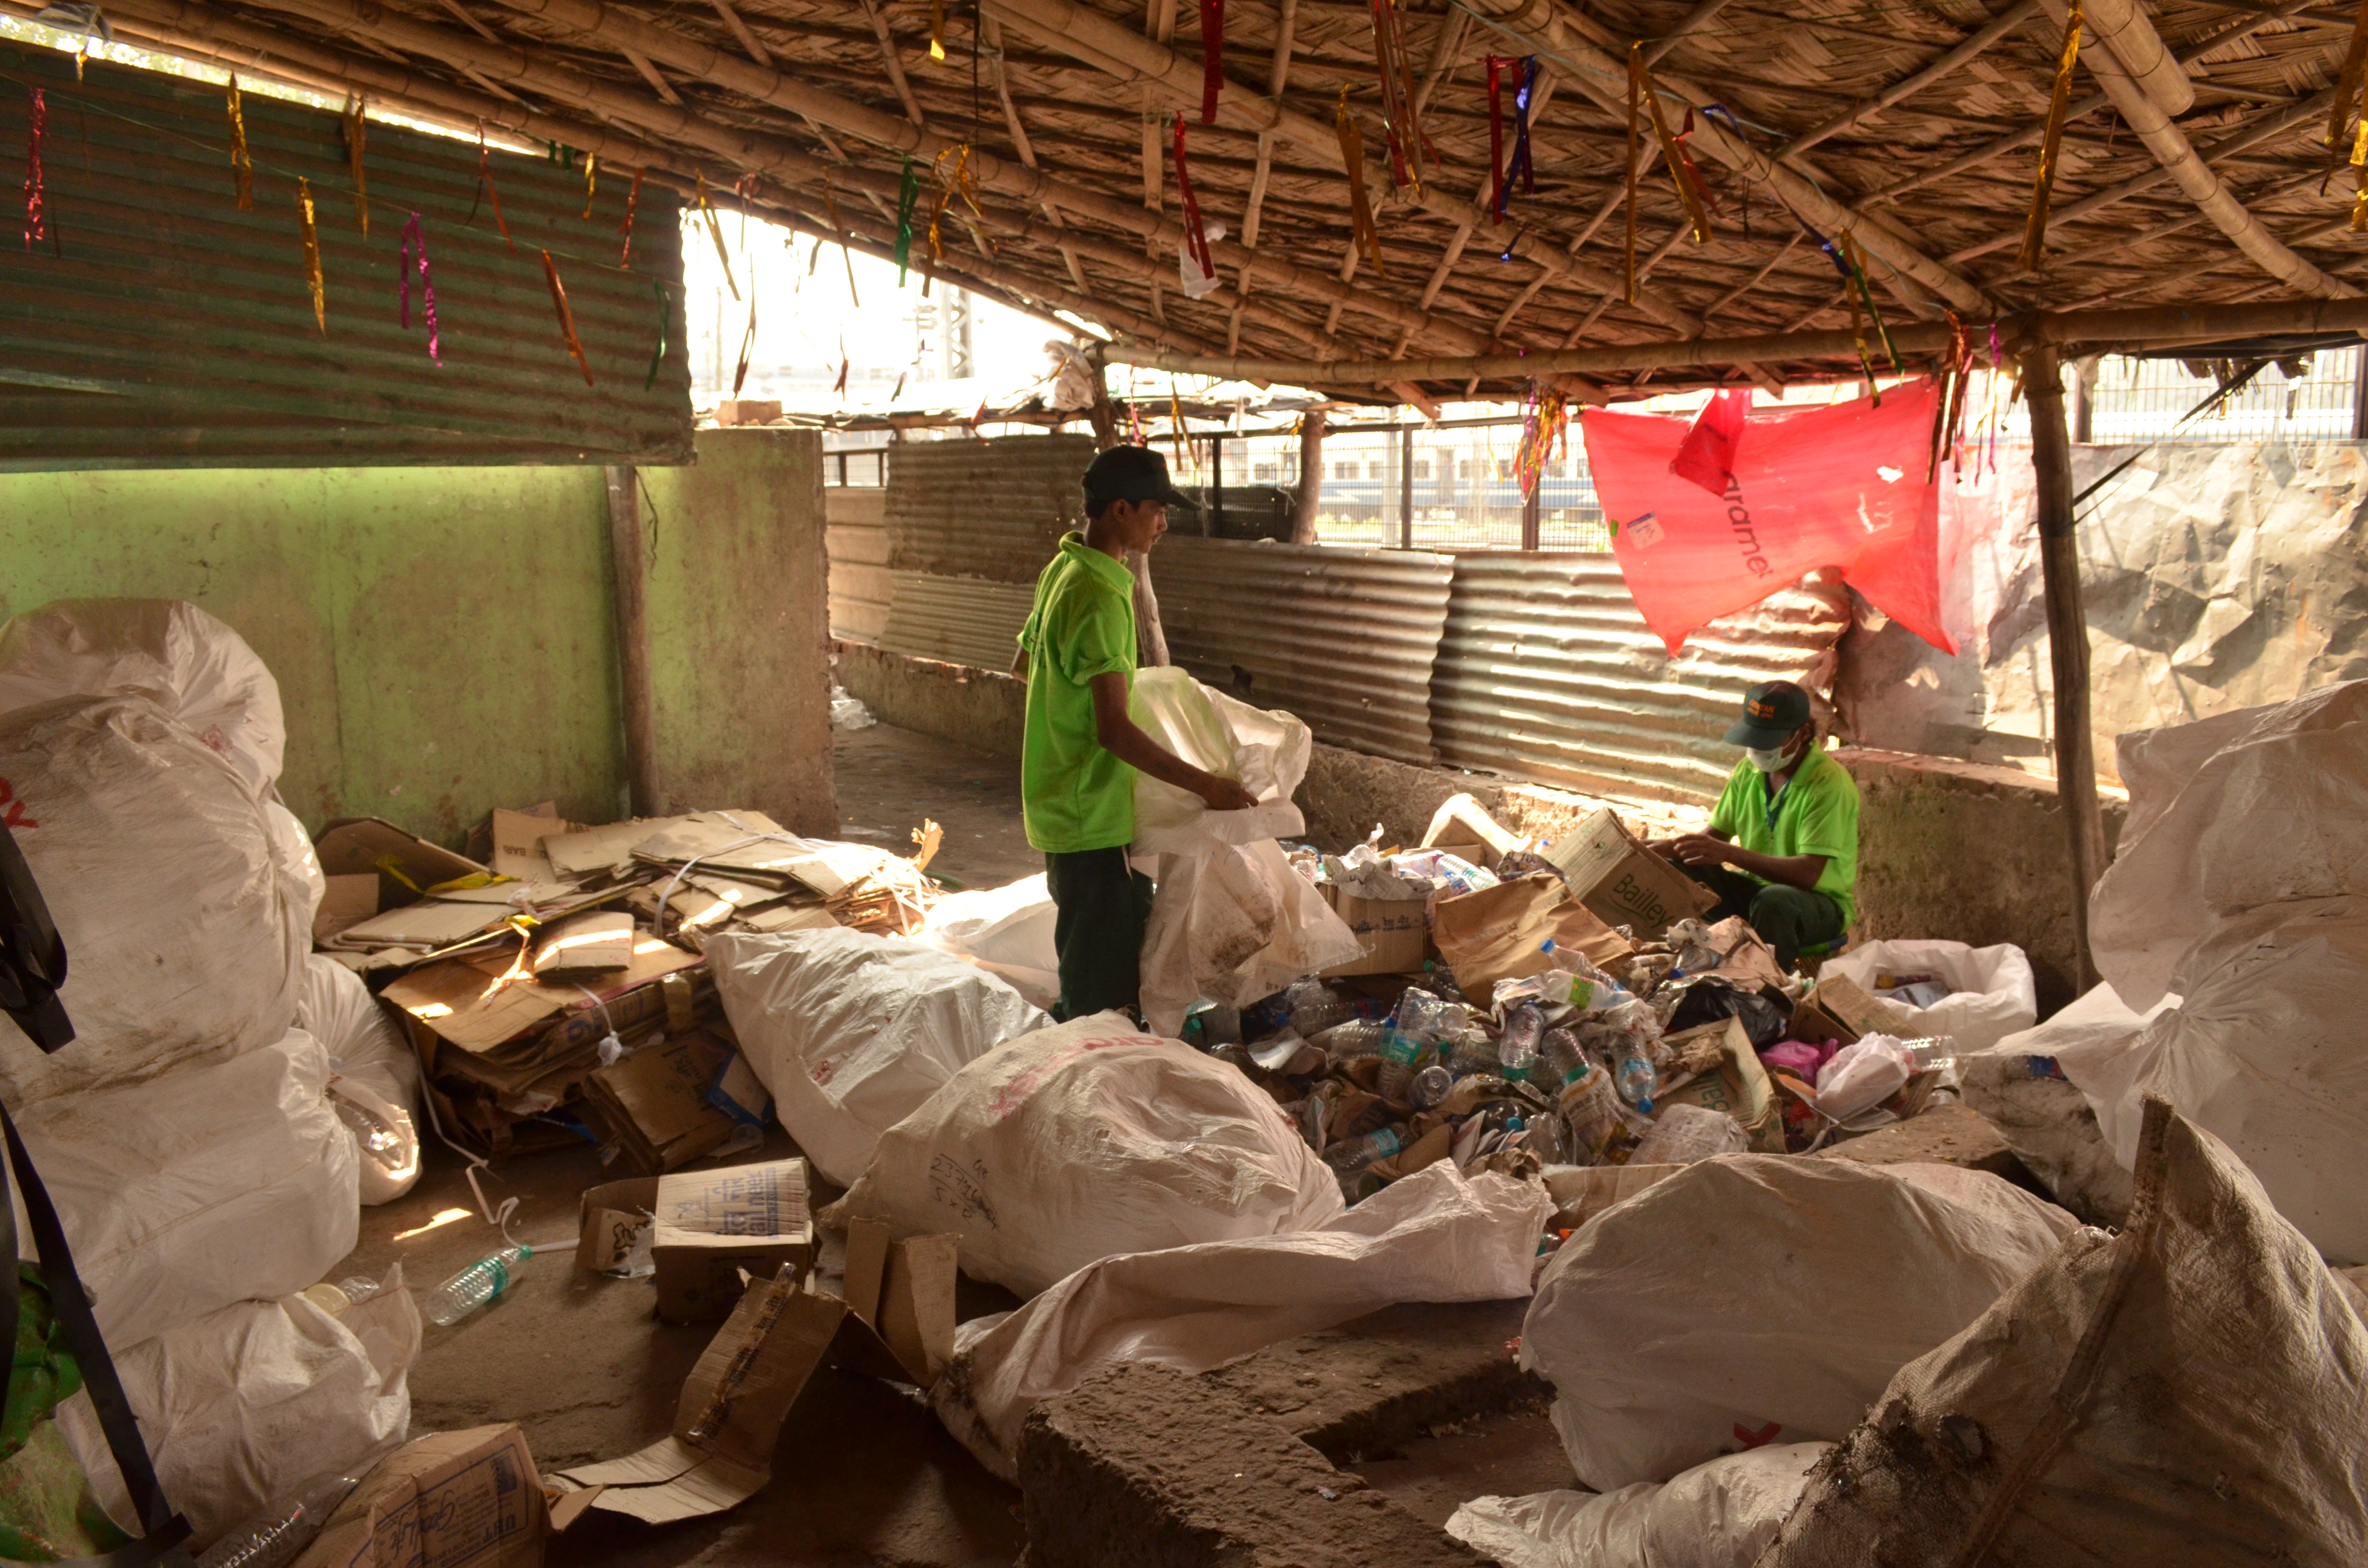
(1774, 761)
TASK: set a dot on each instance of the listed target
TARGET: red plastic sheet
(1843, 487)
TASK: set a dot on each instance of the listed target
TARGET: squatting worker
(1081, 751)
(1787, 827)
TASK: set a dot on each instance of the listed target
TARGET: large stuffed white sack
(375, 1089)
(1084, 1140)
(250, 1400)
(198, 671)
(2257, 807)
(1758, 1298)
(212, 1184)
(1991, 991)
(1266, 750)
(853, 1032)
(186, 930)
(1720, 1514)
(299, 865)
(1007, 931)
(2266, 1051)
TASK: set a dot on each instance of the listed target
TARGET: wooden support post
(625, 548)
(1311, 477)
(2360, 393)
(2067, 642)
(1406, 488)
(1150, 636)
(1530, 515)
(1212, 521)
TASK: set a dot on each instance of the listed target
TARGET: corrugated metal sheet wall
(163, 325)
(992, 509)
(1546, 672)
(860, 587)
(1344, 638)
(964, 621)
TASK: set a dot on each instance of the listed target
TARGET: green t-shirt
(1075, 795)
(1814, 813)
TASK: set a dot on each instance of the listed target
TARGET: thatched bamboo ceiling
(1911, 127)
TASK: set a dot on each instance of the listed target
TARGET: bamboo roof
(1042, 141)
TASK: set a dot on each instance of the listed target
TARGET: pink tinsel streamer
(415, 243)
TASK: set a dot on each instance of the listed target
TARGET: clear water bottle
(482, 1281)
(1562, 1057)
(1346, 1042)
(1633, 1071)
(1358, 1152)
(279, 1534)
(359, 1289)
(1473, 1052)
(1517, 1048)
(1311, 1007)
(1400, 1051)
(1431, 1085)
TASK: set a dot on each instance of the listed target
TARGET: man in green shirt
(1081, 751)
(1787, 824)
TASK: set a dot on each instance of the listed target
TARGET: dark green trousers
(1787, 919)
(1103, 905)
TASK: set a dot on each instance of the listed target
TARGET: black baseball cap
(1131, 473)
(1771, 711)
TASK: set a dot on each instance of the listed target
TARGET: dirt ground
(865, 1477)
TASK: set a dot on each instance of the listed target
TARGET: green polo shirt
(1074, 794)
(1814, 813)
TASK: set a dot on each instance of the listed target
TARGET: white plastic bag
(1862, 1075)
(2266, 1051)
(200, 672)
(1684, 1134)
(1720, 1514)
(376, 1074)
(2021, 1087)
(1758, 1298)
(1087, 1140)
(1233, 922)
(186, 930)
(1435, 1236)
(2192, 1392)
(1007, 931)
(853, 1032)
(2256, 807)
(252, 1399)
(1992, 994)
(1266, 750)
(210, 1185)
(299, 865)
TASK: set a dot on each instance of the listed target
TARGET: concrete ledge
(985, 709)
(1150, 1468)
(1366, 1388)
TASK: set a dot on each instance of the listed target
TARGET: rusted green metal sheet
(158, 324)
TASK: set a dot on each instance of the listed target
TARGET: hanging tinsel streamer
(313, 255)
(566, 317)
(1212, 61)
(1681, 170)
(1352, 160)
(632, 202)
(1546, 425)
(2348, 84)
(241, 167)
(747, 338)
(1196, 239)
(908, 196)
(1496, 138)
(2359, 179)
(1866, 293)
(838, 231)
(1184, 454)
(1400, 122)
(357, 127)
(715, 232)
(37, 123)
(591, 182)
(414, 250)
(1635, 152)
(1952, 393)
(486, 188)
(957, 181)
(1684, 158)
(658, 354)
(1502, 173)
(937, 30)
(2042, 185)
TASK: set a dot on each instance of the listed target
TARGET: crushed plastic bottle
(1400, 1051)
(1430, 1019)
(482, 1281)
(1474, 1052)
(1517, 1048)
(1431, 1085)
(1358, 1037)
(1355, 1154)
(1563, 1059)
(1633, 1072)
(1310, 1008)
(279, 1534)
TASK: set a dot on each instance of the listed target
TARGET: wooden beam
(2005, 22)
(748, 41)
(2067, 644)
(632, 609)
(1703, 12)
(895, 66)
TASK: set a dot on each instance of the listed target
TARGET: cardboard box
(408, 863)
(709, 1226)
(1395, 931)
(1840, 1009)
(468, 1499)
(1501, 933)
(1623, 882)
(1462, 828)
(1739, 1086)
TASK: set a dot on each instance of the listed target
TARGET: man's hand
(1696, 850)
(1224, 795)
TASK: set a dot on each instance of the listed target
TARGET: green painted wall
(444, 639)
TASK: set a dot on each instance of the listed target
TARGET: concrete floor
(864, 1476)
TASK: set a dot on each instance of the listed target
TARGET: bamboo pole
(625, 545)
(2067, 644)
(1311, 477)
(2151, 325)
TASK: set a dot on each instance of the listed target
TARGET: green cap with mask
(1771, 711)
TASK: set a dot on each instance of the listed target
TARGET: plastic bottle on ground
(1474, 1052)
(1517, 1050)
(279, 1534)
(482, 1281)
(1356, 1154)
(1431, 1085)
(1400, 1051)
(1358, 1037)
(1633, 1071)
(1311, 1007)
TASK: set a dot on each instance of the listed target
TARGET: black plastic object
(1709, 999)
(32, 954)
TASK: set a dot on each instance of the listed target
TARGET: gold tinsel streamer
(1353, 161)
(241, 167)
(566, 317)
(937, 30)
(591, 182)
(959, 182)
(2035, 233)
(312, 255)
(1680, 167)
(715, 232)
(2346, 87)
(2359, 179)
(356, 127)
